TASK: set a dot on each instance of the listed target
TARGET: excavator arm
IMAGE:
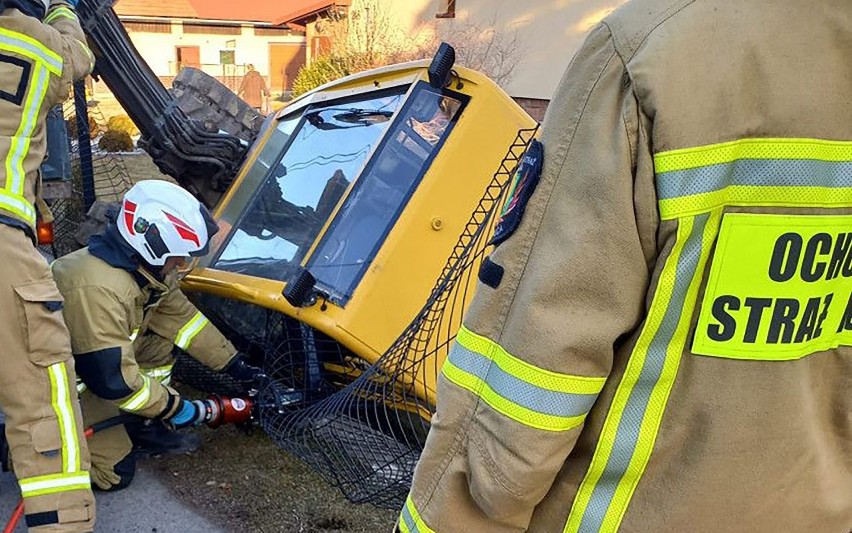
(203, 161)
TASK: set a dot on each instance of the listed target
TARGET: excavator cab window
(383, 190)
(320, 152)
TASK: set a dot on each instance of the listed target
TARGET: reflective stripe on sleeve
(139, 399)
(61, 402)
(410, 521)
(163, 374)
(60, 12)
(53, 484)
(532, 396)
(190, 330)
(28, 47)
(134, 335)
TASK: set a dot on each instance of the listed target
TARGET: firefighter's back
(733, 409)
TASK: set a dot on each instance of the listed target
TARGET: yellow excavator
(352, 225)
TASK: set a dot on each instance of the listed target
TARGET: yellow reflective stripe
(20, 146)
(140, 398)
(134, 335)
(410, 521)
(756, 196)
(506, 407)
(60, 399)
(754, 172)
(55, 483)
(527, 394)
(190, 330)
(18, 205)
(525, 371)
(769, 148)
(60, 12)
(163, 374)
(89, 54)
(630, 430)
(27, 46)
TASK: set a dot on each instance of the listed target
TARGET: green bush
(116, 141)
(94, 128)
(321, 70)
(122, 123)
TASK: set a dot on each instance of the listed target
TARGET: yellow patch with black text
(780, 288)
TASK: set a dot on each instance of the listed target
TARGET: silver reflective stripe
(637, 403)
(408, 521)
(33, 50)
(525, 394)
(163, 374)
(754, 172)
(61, 399)
(18, 205)
(190, 330)
(55, 483)
(20, 147)
(140, 398)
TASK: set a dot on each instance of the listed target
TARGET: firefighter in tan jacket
(661, 342)
(38, 62)
(125, 314)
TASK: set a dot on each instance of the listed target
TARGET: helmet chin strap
(155, 271)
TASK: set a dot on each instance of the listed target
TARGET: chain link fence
(366, 437)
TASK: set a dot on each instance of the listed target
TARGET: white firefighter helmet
(161, 220)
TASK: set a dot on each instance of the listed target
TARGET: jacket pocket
(44, 328)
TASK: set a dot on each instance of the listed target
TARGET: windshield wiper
(352, 117)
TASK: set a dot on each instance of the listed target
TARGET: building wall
(159, 49)
(548, 31)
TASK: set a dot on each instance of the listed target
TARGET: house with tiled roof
(220, 37)
(545, 33)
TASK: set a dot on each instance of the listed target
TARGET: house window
(226, 57)
(447, 9)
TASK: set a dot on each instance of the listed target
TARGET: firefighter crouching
(42, 51)
(662, 339)
(125, 315)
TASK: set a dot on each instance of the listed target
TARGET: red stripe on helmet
(129, 212)
(184, 230)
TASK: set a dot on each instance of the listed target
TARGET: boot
(153, 437)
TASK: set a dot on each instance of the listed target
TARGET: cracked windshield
(328, 148)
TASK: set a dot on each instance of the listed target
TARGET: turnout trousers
(38, 395)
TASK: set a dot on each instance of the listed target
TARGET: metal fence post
(84, 145)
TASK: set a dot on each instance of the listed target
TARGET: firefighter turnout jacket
(667, 346)
(38, 63)
(112, 308)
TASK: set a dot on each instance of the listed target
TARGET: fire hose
(220, 411)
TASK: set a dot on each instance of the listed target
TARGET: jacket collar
(111, 248)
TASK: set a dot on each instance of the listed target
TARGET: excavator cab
(345, 212)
